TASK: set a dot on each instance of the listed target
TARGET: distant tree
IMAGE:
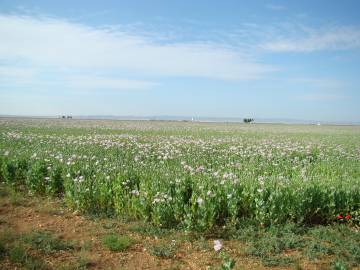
(248, 120)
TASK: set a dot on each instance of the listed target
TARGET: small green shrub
(117, 243)
(228, 262)
(163, 249)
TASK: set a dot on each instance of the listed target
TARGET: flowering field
(184, 174)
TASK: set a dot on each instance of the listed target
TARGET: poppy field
(190, 175)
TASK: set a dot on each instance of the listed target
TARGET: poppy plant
(339, 216)
(347, 216)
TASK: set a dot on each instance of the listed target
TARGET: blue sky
(260, 59)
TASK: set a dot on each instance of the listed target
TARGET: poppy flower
(217, 245)
(339, 216)
(347, 216)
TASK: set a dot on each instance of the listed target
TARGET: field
(298, 185)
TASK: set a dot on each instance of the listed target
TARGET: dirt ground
(28, 214)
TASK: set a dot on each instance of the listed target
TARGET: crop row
(192, 182)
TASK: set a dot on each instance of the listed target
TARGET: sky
(259, 59)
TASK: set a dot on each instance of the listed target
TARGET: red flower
(348, 216)
(339, 216)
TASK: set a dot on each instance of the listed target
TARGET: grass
(24, 250)
(81, 262)
(48, 207)
(340, 242)
(148, 229)
(117, 243)
(18, 254)
(163, 249)
(269, 244)
(17, 199)
(47, 242)
(339, 265)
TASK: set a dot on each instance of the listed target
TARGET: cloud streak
(45, 42)
(310, 40)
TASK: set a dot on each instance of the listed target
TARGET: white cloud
(309, 40)
(43, 42)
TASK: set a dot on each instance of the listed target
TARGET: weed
(338, 240)
(163, 249)
(228, 262)
(202, 244)
(47, 242)
(315, 249)
(17, 254)
(150, 230)
(82, 262)
(117, 243)
(274, 241)
(110, 225)
(17, 199)
(8, 236)
(339, 265)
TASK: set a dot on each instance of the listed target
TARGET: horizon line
(177, 118)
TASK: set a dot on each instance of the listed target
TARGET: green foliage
(269, 244)
(228, 263)
(117, 243)
(339, 265)
(37, 177)
(339, 240)
(47, 242)
(55, 183)
(150, 230)
(198, 177)
(17, 199)
(17, 254)
(164, 249)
